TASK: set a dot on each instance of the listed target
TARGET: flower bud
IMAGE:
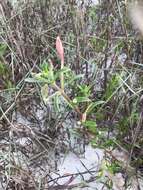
(59, 48)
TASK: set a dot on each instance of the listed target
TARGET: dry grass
(95, 38)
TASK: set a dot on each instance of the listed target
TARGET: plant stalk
(62, 75)
(67, 99)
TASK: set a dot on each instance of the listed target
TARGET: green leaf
(44, 92)
(64, 71)
(31, 80)
(44, 66)
(93, 105)
(48, 75)
(57, 102)
(84, 88)
(114, 167)
(91, 126)
(75, 78)
(81, 99)
(108, 143)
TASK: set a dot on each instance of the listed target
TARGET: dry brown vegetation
(100, 43)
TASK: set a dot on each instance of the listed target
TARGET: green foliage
(112, 86)
(107, 170)
(81, 100)
(123, 125)
(108, 143)
(67, 74)
(3, 69)
(5, 76)
(82, 94)
(101, 140)
(49, 77)
(72, 78)
(3, 48)
(120, 45)
(44, 92)
(45, 76)
(98, 43)
(113, 167)
(93, 13)
(91, 126)
(84, 90)
(127, 121)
